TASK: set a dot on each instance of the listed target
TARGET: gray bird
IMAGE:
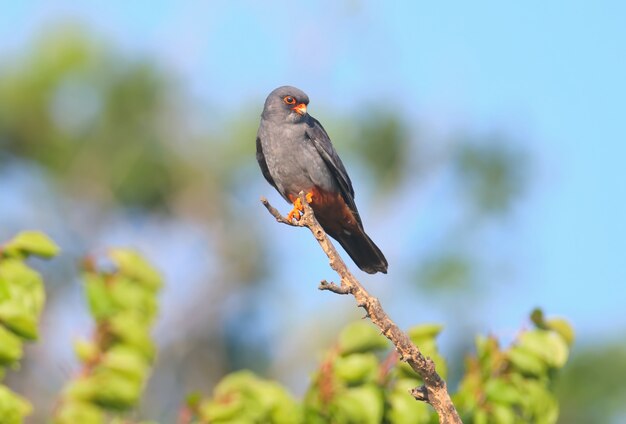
(295, 154)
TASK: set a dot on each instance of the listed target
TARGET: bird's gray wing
(260, 157)
(320, 139)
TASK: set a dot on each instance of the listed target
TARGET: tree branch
(434, 391)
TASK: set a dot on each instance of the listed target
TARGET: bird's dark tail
(365, 254)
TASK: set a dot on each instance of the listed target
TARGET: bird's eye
(289, 100)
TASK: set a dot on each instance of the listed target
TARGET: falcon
(295, 154)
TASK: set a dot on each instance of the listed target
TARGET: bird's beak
(300, 109)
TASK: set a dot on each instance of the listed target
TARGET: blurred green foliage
(243, 397)
(515, 385)
(22, 298)
(117, 361)
(357, 382)
(362, 381)
(66, 95)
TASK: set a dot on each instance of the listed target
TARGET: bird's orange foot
(298, 209)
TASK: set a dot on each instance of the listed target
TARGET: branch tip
(325, 285)
(276, 214)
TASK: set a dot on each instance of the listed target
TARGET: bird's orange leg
(298, 209)
(295, 212)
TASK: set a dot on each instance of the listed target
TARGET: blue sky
(552, 72)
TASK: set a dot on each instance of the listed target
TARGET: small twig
(278, 215)
(325, 285)
(434, 391)
(420, 393)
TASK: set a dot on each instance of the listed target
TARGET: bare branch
(434, 391)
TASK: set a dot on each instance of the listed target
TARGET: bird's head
(286, 103)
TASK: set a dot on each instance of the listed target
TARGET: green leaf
(424, 332)
(31, 243)
(537, 317)
(222, 410)
(100, 303)
(480, 417)
(563, 328)
(129, 294)
(131, 329)
(10, 347)
(526, 361)
(21, 286)
(81, 389)
(132, 265)
(502, 414)
(486, 347)
(465, 398)
(403, 408)
(18, 320)
(5, 293)
(363, 404)
(13, 408)
(356, 368)
(242, 397)
(548, 346)
(281, 407)
(87, 351)
(126, 361)
(538, 404)
(116, 390)
(501, 391)
(361, 337)
(106, 388)
(72, 412)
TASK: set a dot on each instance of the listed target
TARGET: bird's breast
(294, 163)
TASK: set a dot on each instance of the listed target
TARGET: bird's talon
(296, 212)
